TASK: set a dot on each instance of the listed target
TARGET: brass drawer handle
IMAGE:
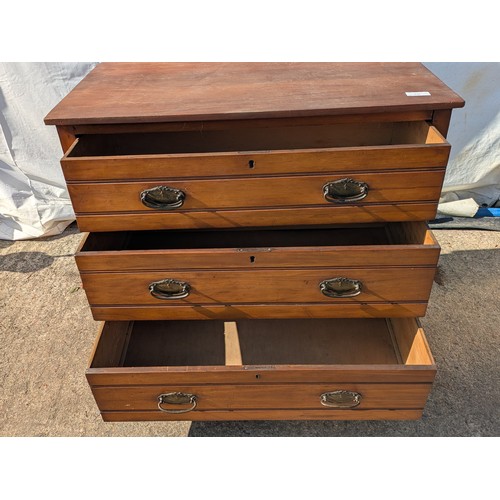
(341, 287)
(177, 398)
(163, 198)
(169, 289)
(345, 190)
(340, 399)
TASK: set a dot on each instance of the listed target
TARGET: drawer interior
(373, 341)
(257, 139)
(396, 233)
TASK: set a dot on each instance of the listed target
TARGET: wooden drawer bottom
(306, 369)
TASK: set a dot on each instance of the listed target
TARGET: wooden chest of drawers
(282, 204)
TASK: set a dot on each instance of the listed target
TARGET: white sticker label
(417, 94)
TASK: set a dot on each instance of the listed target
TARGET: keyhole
(257, 376)
(251, 164)
(252, 259)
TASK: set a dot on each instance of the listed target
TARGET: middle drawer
(358, 271)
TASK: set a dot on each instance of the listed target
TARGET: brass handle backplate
(340, 399)
(340, 287)
(169, 289)
(163, 198)
(345, 190)
(177, 398)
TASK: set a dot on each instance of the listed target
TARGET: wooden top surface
(165, 92)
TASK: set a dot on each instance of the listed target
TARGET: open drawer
(254, 151)
(262, 369)
(268, 176)
(358, 271)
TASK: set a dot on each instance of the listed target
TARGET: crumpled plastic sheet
(34, 201)
(473, 172)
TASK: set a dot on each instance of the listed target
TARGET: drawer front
(260, 286)
(267, 414)
(265, 163)
(259, 311)
(256, 192)
(402, 244)
(339, 214)
(262, 257)
(263, 396)
(266, 151)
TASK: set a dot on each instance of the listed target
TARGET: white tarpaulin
(473, 172)
(34, 201)
(33, 197)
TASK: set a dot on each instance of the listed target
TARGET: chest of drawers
(257, 245)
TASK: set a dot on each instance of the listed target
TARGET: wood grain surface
(255, 249)
(162, 375)
(391, 284)
(156, 92)
(348, 256)
(333, 161)
(256, 192)
(259, 396)
(322, 414)
(259, 310)
(260, 217)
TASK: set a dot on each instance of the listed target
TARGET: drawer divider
(232, 344)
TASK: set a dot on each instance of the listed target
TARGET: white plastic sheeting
(473, 173)
(34, 201)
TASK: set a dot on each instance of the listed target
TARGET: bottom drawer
(306, 369)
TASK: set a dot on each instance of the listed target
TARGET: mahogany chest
(256, 241)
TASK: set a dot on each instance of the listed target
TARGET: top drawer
(256, 151)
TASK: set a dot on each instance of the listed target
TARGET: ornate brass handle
(340, 287)
(340, 399)
(169, 289)
(163, 198)
(345, 190)
(177, 398)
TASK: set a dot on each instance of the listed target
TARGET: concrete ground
(47, 332)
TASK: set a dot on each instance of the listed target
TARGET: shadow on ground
(5, 244)
(25, 262)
